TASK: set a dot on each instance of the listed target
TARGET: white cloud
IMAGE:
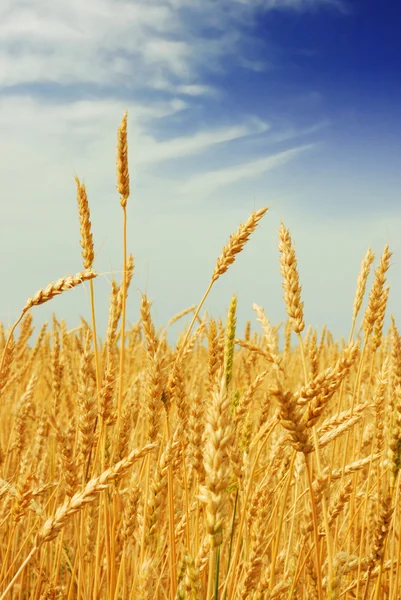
(82, 119)
(196, 90)
(97, 41)
(199, 142)
(133, 43)
(287, 133)
(208, 182)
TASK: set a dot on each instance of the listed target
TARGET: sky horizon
(232, 105)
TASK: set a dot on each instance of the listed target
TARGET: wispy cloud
(209, 182)
(199, 142)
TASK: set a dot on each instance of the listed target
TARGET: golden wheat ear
(88, 252)
(44, 295)
(233, 247)
(55, 289)
(291, 286)
(236, 243)
(123, 186)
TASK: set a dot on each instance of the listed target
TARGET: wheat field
(232, 465)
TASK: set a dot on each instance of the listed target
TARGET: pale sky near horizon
(232, 105)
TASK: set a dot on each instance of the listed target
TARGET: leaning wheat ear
(54, 289)
(236, 243)
(233, 247)
(44, 295)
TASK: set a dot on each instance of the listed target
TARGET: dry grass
(223, 467)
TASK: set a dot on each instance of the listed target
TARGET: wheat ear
(361, 286)
(123, 186)
(88, 252)
(291, 286)
(44, 295)
(376, 296)
(54, 289)
(233, 247)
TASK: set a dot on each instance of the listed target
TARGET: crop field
(258, 464)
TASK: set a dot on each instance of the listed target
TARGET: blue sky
(233, 105)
